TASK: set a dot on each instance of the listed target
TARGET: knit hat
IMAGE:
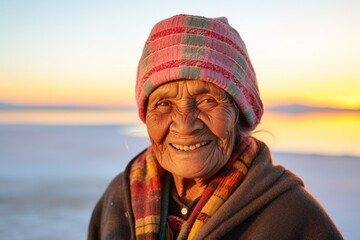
(206, 49)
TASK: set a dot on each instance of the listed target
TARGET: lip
(190, 147)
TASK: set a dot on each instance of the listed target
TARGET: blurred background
(68, 119)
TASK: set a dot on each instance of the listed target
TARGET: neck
(189, 189)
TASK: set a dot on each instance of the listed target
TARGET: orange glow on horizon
(336, 94)
(34, 88)
(313, 132)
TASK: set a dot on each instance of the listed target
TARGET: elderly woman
(204, 176)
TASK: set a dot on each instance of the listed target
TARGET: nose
(185, 122)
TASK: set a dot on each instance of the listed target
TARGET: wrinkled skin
(192, 128)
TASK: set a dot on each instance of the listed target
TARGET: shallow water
(52, 175)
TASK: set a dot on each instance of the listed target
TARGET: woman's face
(192, 126)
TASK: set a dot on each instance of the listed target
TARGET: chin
(191, 172)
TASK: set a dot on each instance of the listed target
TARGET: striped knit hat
(207, 49)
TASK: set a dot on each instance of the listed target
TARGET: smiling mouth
(189, 147)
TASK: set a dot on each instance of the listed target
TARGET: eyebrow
(168, 91)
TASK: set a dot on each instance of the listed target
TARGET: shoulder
(112, 215)
(299, 213)
(294, 214)
(118, 190)
(119, 187)
(298, 202)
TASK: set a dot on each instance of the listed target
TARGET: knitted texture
(145, 187)
(199, 48)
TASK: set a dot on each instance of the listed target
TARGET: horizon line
(285, 107)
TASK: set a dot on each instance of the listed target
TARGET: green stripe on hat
(145, 52)
(242, 63)
(148, 86)
(189, 72)
(239, 72)
(250, 116)
(194, 39)
(192, 52)
(145, 64)
(197, 22)
(233, 90)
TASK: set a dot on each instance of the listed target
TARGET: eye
(163, 105)
(207, 102)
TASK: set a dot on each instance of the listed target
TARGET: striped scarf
(149, 199)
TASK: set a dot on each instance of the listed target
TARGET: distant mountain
(24, 107)
(299, 108)
(6, 105)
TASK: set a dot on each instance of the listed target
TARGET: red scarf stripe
(137, 185)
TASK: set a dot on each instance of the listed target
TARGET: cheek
(222, 123)
(157, 126)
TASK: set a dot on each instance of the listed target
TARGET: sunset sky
(86, 52)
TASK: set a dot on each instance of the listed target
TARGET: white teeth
(188, 147)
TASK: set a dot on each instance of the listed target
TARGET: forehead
(193, 87)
